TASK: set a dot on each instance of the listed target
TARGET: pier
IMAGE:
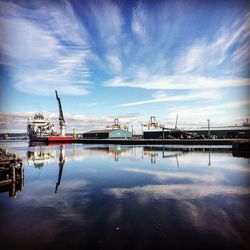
(11, 173)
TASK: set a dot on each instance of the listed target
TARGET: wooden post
(13, 174)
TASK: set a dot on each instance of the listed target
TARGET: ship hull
(60, 138)
(52, 139)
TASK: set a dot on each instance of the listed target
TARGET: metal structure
(208, 128)
(153, 124)
(62, 123)
(246, 123)
(39, 127)
(116, 125)
(176, 121)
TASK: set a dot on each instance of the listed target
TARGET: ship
(41, 129)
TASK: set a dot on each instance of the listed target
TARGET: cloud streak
(178, 82)
(209, 61)
(176, 98)
(73, 49)
(48, 46)
(203, 55)
(228, 107)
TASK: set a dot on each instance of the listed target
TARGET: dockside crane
(153, 123)
(116, 125)
(62, 123)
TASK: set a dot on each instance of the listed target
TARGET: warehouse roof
(101, 131)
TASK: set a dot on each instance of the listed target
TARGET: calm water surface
(127, 197)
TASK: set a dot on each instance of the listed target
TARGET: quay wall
(163, 141)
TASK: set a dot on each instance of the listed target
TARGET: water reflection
(130, 197)
(40, 158)
(42, 155)
(153, 153)
(61, 164)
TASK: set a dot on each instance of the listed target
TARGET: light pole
(142, 129)
(208, 127)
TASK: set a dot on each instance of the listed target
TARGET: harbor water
(77, 196)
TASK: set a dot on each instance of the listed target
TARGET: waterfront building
(216, 132)
(107, 134)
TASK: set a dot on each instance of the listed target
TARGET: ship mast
(62, 123)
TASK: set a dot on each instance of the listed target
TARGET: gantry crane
(152, 123)
(116, 125)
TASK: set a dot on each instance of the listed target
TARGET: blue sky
(125, 59)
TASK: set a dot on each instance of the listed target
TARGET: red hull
(60, 138)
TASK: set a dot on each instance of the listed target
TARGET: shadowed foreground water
(127, 197)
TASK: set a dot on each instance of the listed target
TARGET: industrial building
(223, 132)
(163, 134)
(107, 134)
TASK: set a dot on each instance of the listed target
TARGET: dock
(11, 173)
(230, 142)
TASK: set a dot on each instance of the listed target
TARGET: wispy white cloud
(115, 62)
(204, 55)
(177, 82)
(211, 109)
(48, 46)
(161, 97)
(26, 41)
(108, 19)
(138, 22)
(90, 104)
(208, 61)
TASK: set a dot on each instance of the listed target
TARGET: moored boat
(40, 128)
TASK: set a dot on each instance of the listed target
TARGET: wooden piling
(11, 172)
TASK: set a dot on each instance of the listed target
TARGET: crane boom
(61, 118)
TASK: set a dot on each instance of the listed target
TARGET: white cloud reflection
(179, 191)
(165, 175)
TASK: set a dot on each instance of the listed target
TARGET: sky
(124, 59)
